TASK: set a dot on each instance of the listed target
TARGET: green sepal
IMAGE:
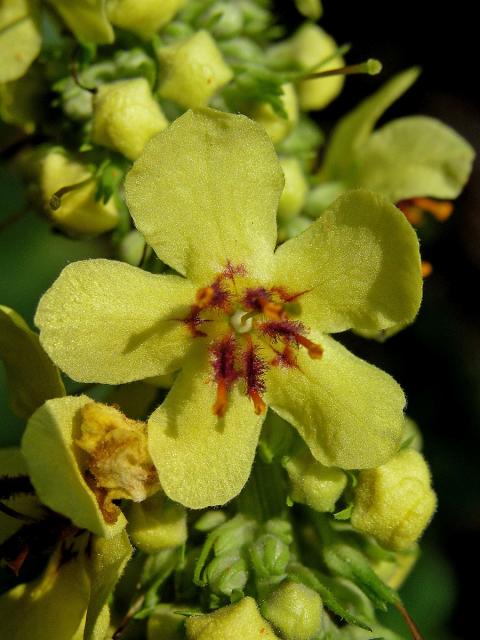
(32, 377)
(353, 131)
(346, 561)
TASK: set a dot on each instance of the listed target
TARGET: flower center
(250, 329)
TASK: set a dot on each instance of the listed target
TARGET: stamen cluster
(249, 329)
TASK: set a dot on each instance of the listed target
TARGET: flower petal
(353, 131)
(198, 203)
(415, 156)
(20, 38)
(54, 465)
(31, 376)
(359, 264)
(348, 412)
(106, 321)
(202, 460)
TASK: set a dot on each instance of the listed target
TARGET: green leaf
(353, 131)
(32, 377)
(415, 156)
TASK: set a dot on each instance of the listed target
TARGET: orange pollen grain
(204, 296)
(315, 351)
(220, 406)
(258, 403)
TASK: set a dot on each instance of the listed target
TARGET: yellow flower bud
(143, 17)
(239, 620)
(295, 190)
(78, 212)
(192, 70)
(395, 502)
(126, 116)
(275, 125)
(308, 47)
(157, 524)
(313, 484)
(295, 610)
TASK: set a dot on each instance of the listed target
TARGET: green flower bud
(269, 556)
(295, 189)
(126, 116)
(192, 70)
(19, 101)
(143, 17)
(321, 197)
(78, 211)
(292, 228)
(280, 528)
(395, 502)
(256, 18)
(241, 49)
(157, 524)
(294, 610)
(210, 520)
(227, 573)
(234, 535)
(312, 483)
(165, 624)
(276, 125)
(239, 620)
(132, 247)
(223, 19)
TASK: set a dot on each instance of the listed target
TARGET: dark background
(437, 360)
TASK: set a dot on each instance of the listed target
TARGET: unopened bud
(239, 620)
(276, 125)
(192, 70)
(157, 524)
(321, 197)
(227, 573)
(71, 188)
(223, 19)
(395, 502)
(312, 483)
(295, 610)
(126, 116)
(269, 556)
(143, 17)
(295, 189)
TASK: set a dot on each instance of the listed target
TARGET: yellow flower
(245, 324)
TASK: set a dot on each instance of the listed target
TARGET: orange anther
(426, 268)
(440, 209)
(273, 310)
(220, 406)
(315, 351)
(204, 296)
(258, 403)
